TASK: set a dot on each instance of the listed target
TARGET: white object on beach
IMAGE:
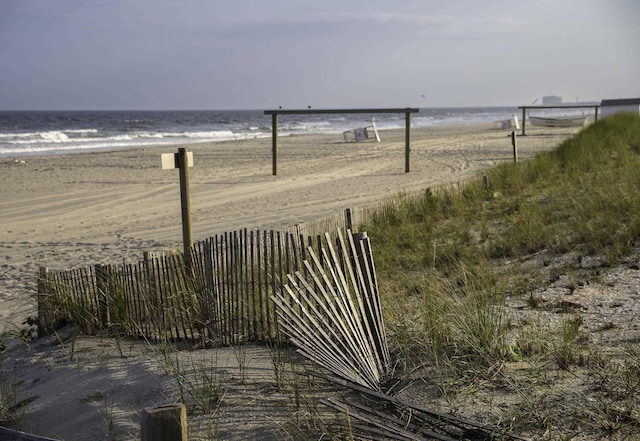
(362, 133)
(507, 123)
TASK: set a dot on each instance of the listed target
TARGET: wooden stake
(407, 140)
(274, 145)
(164, 423)
(43, 309)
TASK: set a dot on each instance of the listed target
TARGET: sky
(262, 54)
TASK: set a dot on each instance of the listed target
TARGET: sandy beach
(66, 211)
(77, 210)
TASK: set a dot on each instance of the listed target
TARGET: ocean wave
(54, 136)
(53, 149)
(54, 142)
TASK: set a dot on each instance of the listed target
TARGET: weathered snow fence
(331, 311)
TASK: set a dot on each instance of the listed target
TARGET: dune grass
(447, 260)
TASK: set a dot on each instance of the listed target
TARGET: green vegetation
(449, 263)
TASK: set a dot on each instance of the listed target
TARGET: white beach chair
(363, 133)
(507, 124)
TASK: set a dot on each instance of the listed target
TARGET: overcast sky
(261, 54)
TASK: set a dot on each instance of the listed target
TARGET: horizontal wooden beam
(327, 111)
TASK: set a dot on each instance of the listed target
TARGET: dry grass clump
(463, 275)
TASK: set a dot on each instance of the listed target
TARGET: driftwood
(377, 416)
(15, 435)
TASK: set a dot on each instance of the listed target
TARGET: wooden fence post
(164, 423)
(347, 217)
(274, 144)
(102, 291)
(485, 182)
(42, 295)
(514, 143)
(407, 140)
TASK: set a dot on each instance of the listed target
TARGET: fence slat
(254, 311)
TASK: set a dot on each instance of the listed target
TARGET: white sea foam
(81, 131)
(54, 136)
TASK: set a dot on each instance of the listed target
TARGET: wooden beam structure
(274, 126)
(567, 106)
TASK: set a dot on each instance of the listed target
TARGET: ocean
(24, 133)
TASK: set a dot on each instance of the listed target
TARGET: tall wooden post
(407, 140)
(514, 143)
(274, 145)
(524, 120)
(187, 233)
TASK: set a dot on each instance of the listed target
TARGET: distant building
(609, 107)
(552, 100)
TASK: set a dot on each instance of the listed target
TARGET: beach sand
(67, 211)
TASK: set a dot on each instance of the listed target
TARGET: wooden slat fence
(223, 296)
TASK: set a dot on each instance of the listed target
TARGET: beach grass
(448, 262)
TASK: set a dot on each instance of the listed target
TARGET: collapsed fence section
(332, 312)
